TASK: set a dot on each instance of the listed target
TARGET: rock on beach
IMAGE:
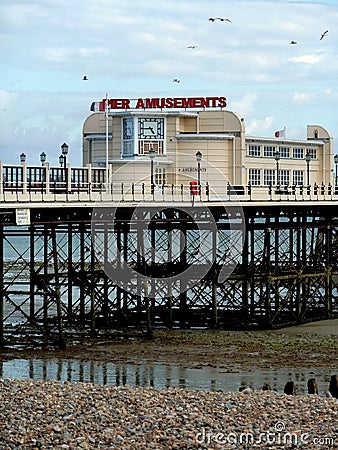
(64, 415)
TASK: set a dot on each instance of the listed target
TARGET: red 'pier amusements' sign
(160, 103)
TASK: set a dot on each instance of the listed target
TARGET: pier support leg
(62, 341)
(2, 302)
(170, 306)
(214, 320)
(328, 273)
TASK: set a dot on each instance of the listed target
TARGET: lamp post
(152, 156)
(64, 150)
(277, 158)
(62, 161)
(336, 177)
(308, 159)
(43, 157)
(23, 158)
(198, 156)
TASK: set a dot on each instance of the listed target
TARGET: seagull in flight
(293, 42)
(176, 80)
(192, 46)
(212, 19)
(323, 35)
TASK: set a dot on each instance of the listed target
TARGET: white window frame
(284, 177)
(298, 177)
(160, 176)
(254, 177)
(312, 152)
(298, 152)
(269, 177)
(284, 152)
(254, 150)
(269, 151)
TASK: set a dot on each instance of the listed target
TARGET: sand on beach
(309, 345)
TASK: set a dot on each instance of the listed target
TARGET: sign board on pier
(23, 216)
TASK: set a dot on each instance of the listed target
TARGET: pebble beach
(64, 415)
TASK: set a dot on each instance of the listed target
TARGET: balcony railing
(80, 191)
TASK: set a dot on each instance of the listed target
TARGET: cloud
(307, 59)
(260, 125)
(303, 97)
(245, 105)
(7, 99)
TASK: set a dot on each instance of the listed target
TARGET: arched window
(316, 134)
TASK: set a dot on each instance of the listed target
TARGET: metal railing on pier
(24, 192)
(23, 184)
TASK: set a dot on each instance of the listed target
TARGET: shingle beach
(64, 415)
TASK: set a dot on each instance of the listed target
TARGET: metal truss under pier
(85, 270)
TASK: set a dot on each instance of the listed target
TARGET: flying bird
(212, 19)
(192, 46)
(176, 80)
(323, 35)
(293, 42)
(85, 78)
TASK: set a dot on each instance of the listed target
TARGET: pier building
(131, 139)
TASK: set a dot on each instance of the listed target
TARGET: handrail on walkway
(59, 191)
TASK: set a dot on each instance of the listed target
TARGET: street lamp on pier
(308, 159)
(64, 151)
(198, 156)
(43, 157)
(277, 158)
(335, 158)
(62, 161)
(152, 156)
(23, 158)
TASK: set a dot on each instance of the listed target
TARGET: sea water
(162, 376)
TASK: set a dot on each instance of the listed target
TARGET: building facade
(157, 140)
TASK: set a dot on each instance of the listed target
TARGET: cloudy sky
(136, 48)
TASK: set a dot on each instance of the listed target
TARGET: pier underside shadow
(89, 271)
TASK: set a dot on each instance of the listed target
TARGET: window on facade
(298, 177)
(128, 148)
(128, 137)
(312, 152)
(254, 150)
(269, 177)
(284, 152)
(269, 150)
(145, 145)
(298, 152)
(160, 176)
(254, 177)
(284, 177)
